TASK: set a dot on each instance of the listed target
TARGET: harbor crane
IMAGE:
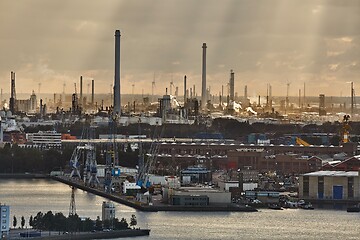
(142, 179)
(112, 172)
(87, 150)
(345, 129)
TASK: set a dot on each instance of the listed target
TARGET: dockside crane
(112, 172)
(90, 169)
(142, 179)
(88, 151)
(345, 130)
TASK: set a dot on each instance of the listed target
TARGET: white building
(47, 139)
(4, 221)
(108, 211)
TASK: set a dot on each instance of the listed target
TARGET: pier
(154, 208)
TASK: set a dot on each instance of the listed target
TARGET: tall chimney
(203, 87)
(81, 91)
(117, 103)
(270, 96)
(232, 89)
(13, 93)
(184, 89)
(245, 93)
(92, 92)
(41, 108)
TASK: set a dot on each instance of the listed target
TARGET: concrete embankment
(118, 199)
(96, 235)
(155, 208)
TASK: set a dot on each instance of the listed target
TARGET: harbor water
(29, 196)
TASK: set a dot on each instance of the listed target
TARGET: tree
(59, 222)
(88, 225)
(133, 221)
(38, 221)
(73, 223)
(98, 223)
(48, 221)
(122, 224)
(106, 223)
(31, 221)
(14, 222)
(22, 221)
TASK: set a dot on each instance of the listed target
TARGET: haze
(275, 42)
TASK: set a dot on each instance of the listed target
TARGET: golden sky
(264, 41)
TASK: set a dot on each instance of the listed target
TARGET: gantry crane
(112, 172)
(345, 129)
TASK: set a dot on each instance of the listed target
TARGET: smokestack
(117, 103)
(81, 90)
(232, 90)
(92, 92)
(245, 93)
(13, 93)
(352, 97)
(41, 108)
(194, 90)
(270, 96)
(304, 102)
(184, 89)
(203, 87)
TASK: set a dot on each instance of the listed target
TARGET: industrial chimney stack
(13, 93)
(203, 87)
(232, 89)
(81, 90)
(92, 92)
(117, 103)
(184, 89)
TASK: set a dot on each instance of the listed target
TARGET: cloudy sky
(264, 41)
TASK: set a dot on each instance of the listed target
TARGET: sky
(277, 42)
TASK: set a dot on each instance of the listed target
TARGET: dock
(153, 208)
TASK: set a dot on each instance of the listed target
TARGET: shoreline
(138, 206)
(92, 235)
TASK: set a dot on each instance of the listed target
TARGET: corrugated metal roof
(333, 174)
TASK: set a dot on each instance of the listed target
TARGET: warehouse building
(330, 185)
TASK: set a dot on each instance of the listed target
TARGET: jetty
(152, 208)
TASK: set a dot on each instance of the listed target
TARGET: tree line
(14, 159)
(73, 223)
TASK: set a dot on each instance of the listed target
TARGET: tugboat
(355, 208)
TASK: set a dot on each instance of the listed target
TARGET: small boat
(355, 208)
(306, 206)
(275, 206)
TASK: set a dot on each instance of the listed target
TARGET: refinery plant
(227, 150)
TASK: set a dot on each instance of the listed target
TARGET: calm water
(27, 197)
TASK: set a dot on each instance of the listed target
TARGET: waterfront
(27, 197)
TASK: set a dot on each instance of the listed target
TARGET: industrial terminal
(217, 151)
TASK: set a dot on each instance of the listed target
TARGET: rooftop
(333, 174)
